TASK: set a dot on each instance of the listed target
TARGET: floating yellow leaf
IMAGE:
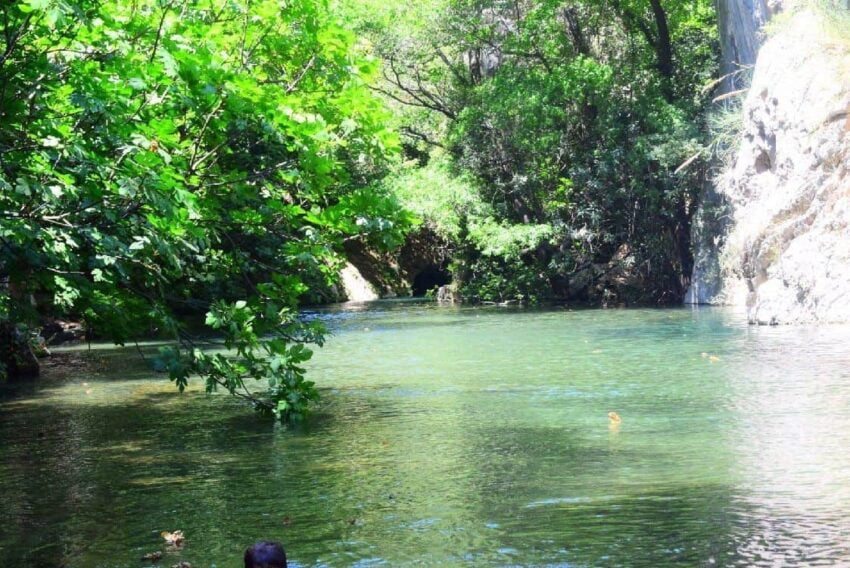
(175, 538)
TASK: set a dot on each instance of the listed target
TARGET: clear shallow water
(455, 437)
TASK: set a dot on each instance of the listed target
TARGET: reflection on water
(455, 436)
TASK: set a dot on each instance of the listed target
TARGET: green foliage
(836, 17)
(504, 279)
(725, 124)
(437, 194)
(160, 158)
(570, 120)
(503, 262)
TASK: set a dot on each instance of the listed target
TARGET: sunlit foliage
(161, 158)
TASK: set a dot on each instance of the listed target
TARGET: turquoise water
(449, 436)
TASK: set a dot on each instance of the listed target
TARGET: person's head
(265, 554)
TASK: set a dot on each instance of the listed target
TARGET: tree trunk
(663, 48)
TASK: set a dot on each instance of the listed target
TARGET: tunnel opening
(429, 279)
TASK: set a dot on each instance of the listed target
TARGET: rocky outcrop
(17, 358)
(421, 264)
(740, 24)
(57, 331)
(355, 285)
(446, 294)
(782, 249)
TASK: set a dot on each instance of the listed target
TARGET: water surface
(454, 436)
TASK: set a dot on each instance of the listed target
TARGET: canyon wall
(773, 233)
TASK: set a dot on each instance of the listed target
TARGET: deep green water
(455, 437)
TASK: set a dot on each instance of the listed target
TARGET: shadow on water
(484, 443)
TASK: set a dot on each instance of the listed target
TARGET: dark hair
(265, 554)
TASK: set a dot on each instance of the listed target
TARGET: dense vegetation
(162, 159)
(165, 158)
(569, 121)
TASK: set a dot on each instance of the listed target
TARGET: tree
(571, 115)
(161, 157)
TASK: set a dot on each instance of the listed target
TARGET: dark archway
(431, 277)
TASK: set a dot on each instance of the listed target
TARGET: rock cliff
(773, 235)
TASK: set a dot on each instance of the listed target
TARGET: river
(453, 436)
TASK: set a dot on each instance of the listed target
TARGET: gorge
(190, 192)
(769, 220)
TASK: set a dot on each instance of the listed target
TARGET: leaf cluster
(160, 158)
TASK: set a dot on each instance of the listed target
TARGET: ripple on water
(457, 436)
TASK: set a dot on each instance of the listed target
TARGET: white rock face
(785, 254)
(356, 287)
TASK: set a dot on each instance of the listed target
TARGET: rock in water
(446, 295)
(175, 538)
